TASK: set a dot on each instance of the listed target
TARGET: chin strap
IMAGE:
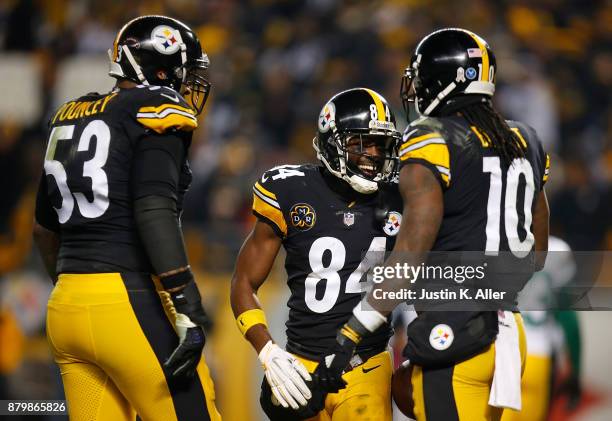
(134, 65)
(360, 184)
(357, 183)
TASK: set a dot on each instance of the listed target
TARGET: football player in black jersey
(329, 220)
(470, 182)
(108, 220)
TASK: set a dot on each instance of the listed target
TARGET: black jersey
(87, 178)
(327, 235)
(488, 206)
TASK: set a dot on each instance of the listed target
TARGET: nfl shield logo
(349, 219)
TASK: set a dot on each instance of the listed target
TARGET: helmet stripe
(380, 108)
(484, 77)
(116, 42)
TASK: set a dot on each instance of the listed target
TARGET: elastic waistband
(357, 360)
(361, 354)
(109, 282)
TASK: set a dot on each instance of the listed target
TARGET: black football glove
(190, 319)
(336, 359)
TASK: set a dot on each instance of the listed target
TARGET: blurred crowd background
(274, 64)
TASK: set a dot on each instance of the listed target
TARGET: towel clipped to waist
(506, 386)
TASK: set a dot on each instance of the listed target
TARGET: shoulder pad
(424, 143)
(425, 123)
(271, 190)
(160, 109)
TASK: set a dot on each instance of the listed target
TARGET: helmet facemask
(407, 91)
(195, 85)
(345, 156)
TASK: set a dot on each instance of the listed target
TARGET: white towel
(506, 387)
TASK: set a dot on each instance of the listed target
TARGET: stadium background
(274, 63)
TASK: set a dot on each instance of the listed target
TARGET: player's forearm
(245, 306)
(47, 243)
(159, 229)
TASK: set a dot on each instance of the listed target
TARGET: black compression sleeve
(45, 214)
(157, 165)
(158, 159)
(158, 225)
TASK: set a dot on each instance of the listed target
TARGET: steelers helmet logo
(303, 216)
(392, 224)
(327, 117)
(165, 39)
(441, 337)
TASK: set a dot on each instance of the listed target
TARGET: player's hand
(328, 374)
(189, 322)
(185, 358)
(285, 375)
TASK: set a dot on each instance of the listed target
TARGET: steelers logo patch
(392, 224)
(165, 39)
(327, 117)
(441, 337)
(303, 216)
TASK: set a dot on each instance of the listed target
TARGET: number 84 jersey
(332, 237)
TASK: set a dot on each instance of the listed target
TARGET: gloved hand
(285, 375)
(275, 412)
(328, 374)
(190, 319)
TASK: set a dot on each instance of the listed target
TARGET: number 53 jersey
(87, 188)
(332, 237)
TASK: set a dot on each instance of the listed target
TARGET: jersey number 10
(520, 249)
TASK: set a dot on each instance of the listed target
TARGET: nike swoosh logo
(367, 370)
(264, 178)
(172, 98)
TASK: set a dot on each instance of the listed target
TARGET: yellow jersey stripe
(546, 169)
(163, 107)
(520, 136)
(271, 213)
(484, 77)
(380, 108)
(435, 154)
(419, 139)
(264, 191)
(483, 137)
(266, 199)
(172, 120)
(446, 179)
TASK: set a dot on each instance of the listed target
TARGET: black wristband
(177, 280)
(188, 300)
(357, 326)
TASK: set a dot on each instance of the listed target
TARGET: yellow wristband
(250, 318)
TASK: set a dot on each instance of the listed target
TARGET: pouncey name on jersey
(331, 240)
(488, 206)
(88, 166)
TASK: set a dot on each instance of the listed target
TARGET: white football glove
(285, 375)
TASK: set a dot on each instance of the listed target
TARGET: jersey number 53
(91, 168)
